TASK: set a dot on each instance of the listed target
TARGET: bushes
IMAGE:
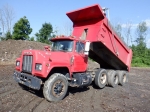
(141, 56)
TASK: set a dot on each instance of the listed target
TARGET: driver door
(80, 60)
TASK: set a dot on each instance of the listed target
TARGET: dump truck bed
(107, 48)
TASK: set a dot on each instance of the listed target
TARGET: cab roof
(73, 38)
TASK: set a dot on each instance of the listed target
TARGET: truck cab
(66, 56)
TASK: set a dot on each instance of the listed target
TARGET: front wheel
(55, 88)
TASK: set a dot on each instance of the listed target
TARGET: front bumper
(27, 80)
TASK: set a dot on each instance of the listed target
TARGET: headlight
(17, 63)
(38, 66)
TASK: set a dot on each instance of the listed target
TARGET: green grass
(139, 65)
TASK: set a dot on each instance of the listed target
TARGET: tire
(101, 78)
(113, 78)
(56, 87)
(123, 77)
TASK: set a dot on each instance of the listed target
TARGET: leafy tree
(141, 33)
(22, 29)
(31, 39)
(141, 54)
(2, 38)
(45, 33)
(8, 35)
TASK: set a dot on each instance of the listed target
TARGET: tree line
(141, 53)
(135, 38)
(22, 30)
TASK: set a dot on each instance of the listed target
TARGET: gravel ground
(133, 97)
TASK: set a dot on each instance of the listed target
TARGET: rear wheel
(113, 78)
(101, 78)
(123, 77)
(55, 88)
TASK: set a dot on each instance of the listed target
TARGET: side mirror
(87, 48)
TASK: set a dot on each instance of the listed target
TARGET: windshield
(62, 45)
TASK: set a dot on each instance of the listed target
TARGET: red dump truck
(65, 63)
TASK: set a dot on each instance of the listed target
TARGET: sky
(54, 11)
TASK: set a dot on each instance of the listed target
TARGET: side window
(84, 34)
(79, 47)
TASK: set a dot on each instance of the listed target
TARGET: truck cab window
(79, 47)
(62, 45)
(84, 34)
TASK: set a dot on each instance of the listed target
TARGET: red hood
(60, 56)
(57, 56)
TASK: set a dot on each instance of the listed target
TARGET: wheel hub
(124, 78)
(58, 88)
(103, 78)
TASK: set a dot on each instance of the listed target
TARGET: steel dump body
(107, 48)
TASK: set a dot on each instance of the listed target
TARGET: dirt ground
(133, 97)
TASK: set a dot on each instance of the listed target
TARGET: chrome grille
(27, 63)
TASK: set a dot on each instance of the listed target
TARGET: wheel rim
(58, 88)
(124, 78)
(116, 79)
(103, 78)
